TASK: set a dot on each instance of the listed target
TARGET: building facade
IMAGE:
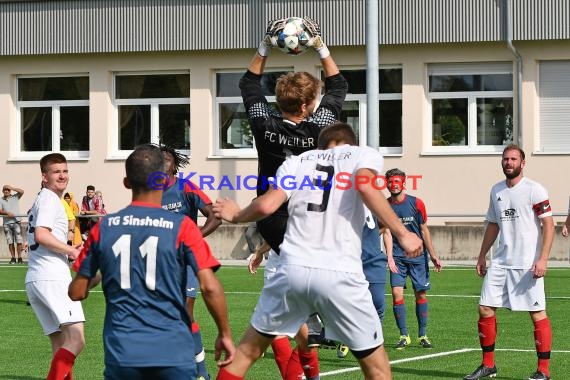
(458, 81)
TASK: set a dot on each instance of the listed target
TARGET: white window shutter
(554, 92)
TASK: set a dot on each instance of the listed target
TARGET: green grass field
(25, 352)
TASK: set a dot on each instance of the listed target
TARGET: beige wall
(451, 184)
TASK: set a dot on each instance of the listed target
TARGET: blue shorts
(186, 372)
(417, 269)
(375, 270)
(191, 283)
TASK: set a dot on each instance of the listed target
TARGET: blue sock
(400, 315)
(422, 315)
(200, 355)
(378, 298)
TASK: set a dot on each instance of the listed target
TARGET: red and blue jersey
(184, 198)
(412, 213)
(143, 252)
(374, 261)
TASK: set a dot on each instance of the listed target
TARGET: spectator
(10, 207)
(70, 221)
(253, 239)
(99, 196)
(68, 197)
(90, 205)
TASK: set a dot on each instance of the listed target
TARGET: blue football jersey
(374, 260)
(412, 213)
(184, 198)
(143, 252)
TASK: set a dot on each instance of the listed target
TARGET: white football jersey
(517, 211)
(326, 212)
(44, 264)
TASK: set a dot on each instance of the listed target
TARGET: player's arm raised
(375, 201)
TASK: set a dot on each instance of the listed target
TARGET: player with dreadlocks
(186, 198)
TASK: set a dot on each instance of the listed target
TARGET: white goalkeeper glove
(270, 38)
(316, 40)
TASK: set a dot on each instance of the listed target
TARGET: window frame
(471, 96)
(217, 100)
(363, 106)
(55, 106)
(154, 103)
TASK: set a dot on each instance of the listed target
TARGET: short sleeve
(491, 214)
(370, 159)
(48, 209)
(286, 174)
(421, 207)
(540, 202)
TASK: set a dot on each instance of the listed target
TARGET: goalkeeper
(291, 130)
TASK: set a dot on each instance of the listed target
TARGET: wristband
(263, 50)
(323, 52)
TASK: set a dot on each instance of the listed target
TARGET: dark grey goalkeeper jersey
(277, 138)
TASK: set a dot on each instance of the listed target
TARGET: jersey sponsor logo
(542, 207)
(173, 206)
(509, 214)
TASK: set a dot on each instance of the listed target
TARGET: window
(554, 91)
(53, 115)
(471, 107)
(390, 107)
(152, 107)
(233, 133)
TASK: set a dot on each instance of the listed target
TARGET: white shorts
(341, 299)
(270, 266)
(514, 289)
(52, 305)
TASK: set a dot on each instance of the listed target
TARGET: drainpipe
(509, 32)
(372, 80)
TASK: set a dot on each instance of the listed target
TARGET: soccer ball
(294, 37)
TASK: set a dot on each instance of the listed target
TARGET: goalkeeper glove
(316, 40)
(270, 38)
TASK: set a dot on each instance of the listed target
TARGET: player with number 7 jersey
(142, 253)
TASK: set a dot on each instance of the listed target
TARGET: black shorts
(272, 229)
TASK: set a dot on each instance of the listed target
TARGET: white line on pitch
(255, 293)
(423, 357)
(415, 358)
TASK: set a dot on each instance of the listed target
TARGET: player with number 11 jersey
(146, 269)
